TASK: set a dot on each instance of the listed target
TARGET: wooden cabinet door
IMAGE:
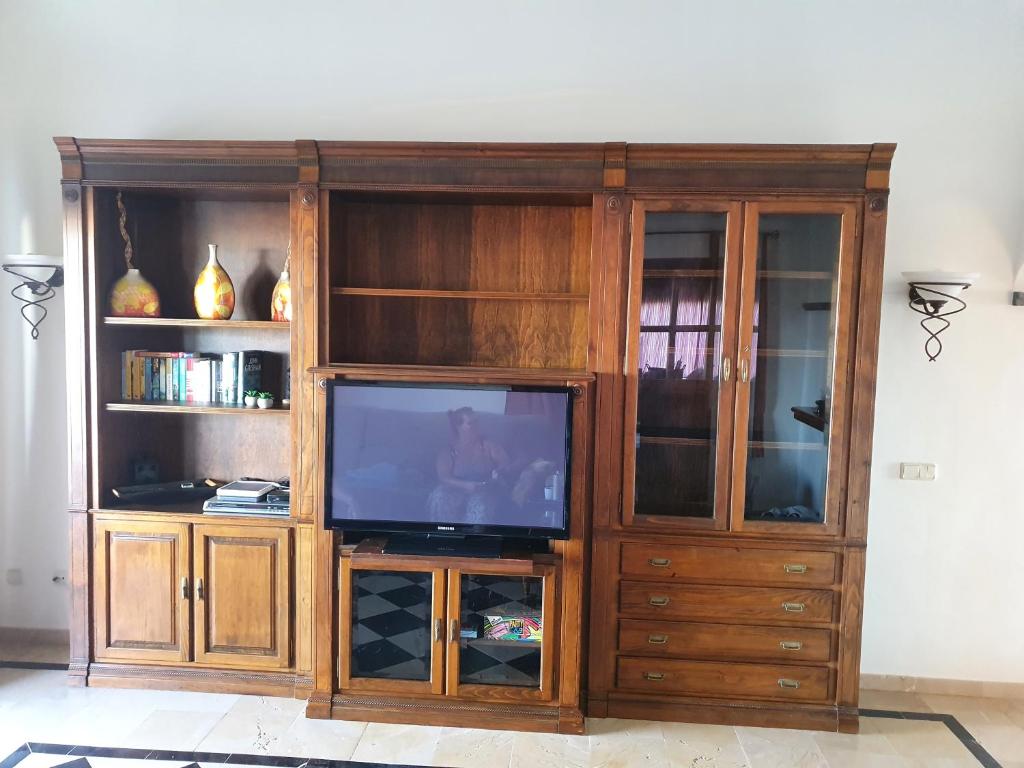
(391, 628)
(502, 634)
(242, 588)
(141, 591)
(792, 393)
(679, 364)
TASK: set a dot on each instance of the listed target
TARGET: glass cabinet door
(792, 363)
(501, 634)
(678, 366)
(391, 629)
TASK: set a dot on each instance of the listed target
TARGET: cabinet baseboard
(192, 679)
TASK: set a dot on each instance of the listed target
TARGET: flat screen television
(451, 459)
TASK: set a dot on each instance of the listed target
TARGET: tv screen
(448, 458)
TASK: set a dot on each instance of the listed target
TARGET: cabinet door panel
(681, 325)
(501, 634)
(141, 591)
(795, 322)
(242, 596)
(391, 628)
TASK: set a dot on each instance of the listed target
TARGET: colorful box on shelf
(521, 629)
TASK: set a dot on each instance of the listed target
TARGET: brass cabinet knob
(184, 587)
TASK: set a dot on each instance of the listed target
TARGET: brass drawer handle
(785, 682)
(744, 370)
(726, 369)
(795, 568)
(655, 676)
(791, 645)
(184, 588)
(794, 607)
(659, 562)
(657, 639)
(658, 600)
(200, 591)
(438, 630)
(453, 631)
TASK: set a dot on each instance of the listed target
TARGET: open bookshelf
(459, 281)
(170, 229)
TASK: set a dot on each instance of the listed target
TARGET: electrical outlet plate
(910, 471)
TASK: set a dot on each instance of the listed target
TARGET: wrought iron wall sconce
(39, 276)
(936, 295)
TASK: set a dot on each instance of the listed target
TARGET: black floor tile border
(32, 665)
(954, 725)
(271, 761)
(228, 758)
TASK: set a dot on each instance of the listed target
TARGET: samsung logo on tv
(446, 527)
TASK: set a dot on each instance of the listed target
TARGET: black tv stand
(443, 545)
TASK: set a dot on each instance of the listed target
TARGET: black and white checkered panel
(391, 625)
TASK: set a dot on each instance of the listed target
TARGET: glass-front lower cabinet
(481, 634)
(501, 634)
(391, 628)
(736, 363)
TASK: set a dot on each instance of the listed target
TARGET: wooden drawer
(724, 641)
(729, 604)
(784, 566)
(712, 678)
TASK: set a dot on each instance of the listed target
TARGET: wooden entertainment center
(714, 309)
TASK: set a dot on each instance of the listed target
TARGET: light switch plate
(910, 471)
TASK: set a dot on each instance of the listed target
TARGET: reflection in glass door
(793, 302)
(678, 363)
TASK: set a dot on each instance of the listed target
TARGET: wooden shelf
(786, 445)
(683, 273)
(182, 322)
(420, 293)
(477, 374)
(802, 353)
(370, 553)
(793, 274)
(696, 441)
(161, 406)
(484, 642)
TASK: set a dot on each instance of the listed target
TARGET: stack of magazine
(250, 497)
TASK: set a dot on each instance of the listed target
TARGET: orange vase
(214, 294)
(134, 296)
(281, 301)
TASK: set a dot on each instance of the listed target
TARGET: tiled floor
(37, 706)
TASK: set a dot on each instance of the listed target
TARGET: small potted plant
(265, 400)
(251, 396)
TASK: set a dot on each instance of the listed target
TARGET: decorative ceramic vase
(214, 294)
(134, 296)
(281, 300)
(265, 402)
(250, 401)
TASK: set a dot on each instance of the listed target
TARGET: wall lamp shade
(936, 295)
(39, 276)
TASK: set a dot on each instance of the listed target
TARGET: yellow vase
(134, 296)
(281, 301)
(214, 294)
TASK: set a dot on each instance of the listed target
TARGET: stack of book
(196, 377)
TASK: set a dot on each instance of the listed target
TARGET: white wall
(945, 79)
